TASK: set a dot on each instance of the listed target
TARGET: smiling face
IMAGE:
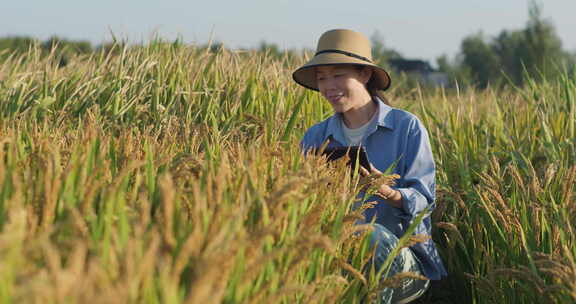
(344, 86)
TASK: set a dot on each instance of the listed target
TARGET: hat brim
(306, 75)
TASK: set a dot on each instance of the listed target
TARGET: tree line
(512, 57)
(63, 49)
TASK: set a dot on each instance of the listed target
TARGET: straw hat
(342, 47)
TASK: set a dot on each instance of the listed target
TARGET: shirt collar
(385, 116)
(385, 119)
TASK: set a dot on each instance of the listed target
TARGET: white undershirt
(354, 136)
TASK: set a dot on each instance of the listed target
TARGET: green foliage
(63, 49)
(480, 60)
(543, 43)
(534, 53)
(16, 44)
(78, 47)
(380, 53)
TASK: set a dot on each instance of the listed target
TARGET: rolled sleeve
(413, 201)
(417, 184)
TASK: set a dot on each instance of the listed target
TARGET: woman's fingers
(385, 191)
(374, 171)
(363, 172)
(365, 178)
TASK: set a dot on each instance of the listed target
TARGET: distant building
(421, 70)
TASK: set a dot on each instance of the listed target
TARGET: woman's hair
(378, 93)
(371, 89)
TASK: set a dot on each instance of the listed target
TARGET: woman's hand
(391, 196)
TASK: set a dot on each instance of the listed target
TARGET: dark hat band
(344, 53)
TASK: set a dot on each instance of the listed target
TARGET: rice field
(168, 173)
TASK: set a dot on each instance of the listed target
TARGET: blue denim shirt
(396, 139)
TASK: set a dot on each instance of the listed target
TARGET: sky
(417, 29)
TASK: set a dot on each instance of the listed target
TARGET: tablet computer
(356, 154)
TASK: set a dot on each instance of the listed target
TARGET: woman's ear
(366, 74)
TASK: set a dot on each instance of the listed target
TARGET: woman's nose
(330, 83)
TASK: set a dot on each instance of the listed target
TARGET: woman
(343, 72)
